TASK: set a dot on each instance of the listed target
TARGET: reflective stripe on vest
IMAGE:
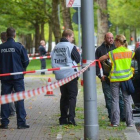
(121, 64)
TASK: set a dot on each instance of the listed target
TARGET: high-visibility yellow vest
(121, 64)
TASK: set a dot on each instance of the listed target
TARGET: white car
(131, 47)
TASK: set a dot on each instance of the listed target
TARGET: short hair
(41, 41)
(3, 36)
(10, 32)
(67, 32)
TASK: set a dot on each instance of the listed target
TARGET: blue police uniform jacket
(13, 58)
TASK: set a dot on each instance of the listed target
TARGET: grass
(36, 65)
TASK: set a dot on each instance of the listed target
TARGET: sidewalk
(43, 113)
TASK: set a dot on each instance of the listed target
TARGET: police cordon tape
(4, 99)
(35, 54)
(41, 57)
(38, 71)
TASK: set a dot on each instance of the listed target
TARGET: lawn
(36, 65)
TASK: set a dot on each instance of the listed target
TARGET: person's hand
(103, 78)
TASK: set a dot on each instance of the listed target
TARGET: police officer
(11, 105)
(66, 54)
(120, 77)
(107, 46)
(42, 52)
(13, 58)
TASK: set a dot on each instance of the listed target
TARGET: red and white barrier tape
(86, 62)
(38, 71)
(41, 57)
(25, 95)
(35, 54)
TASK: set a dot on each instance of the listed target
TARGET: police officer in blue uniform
(13, 58)
(42, 52)
(11, 105)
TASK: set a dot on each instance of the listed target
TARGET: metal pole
(91, 127)
(79, 28)
(117, 30)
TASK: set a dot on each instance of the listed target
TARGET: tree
(55, 21)
(102, 17)
(66, 16)
(126, 20)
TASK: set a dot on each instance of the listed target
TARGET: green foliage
(23, 14)
(124, 13)
(36, 64)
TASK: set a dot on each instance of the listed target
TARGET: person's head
(68, 34)
(11, 33)
(120, 40)
(3, 37)
(42, 43)
(109, 39)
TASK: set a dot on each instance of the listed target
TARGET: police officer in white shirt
(66, 54)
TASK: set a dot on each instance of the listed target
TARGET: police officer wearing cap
(13, 58)
(65, 54)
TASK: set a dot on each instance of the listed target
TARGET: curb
(131, 133)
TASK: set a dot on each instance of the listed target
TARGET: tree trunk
(50, 38)
(29, 43)
(42, 32)
(66, 16)
(55, 19)
(102, 21)
(22, 40)
(37, 37)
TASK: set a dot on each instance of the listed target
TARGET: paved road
(43, 113)
(40, 112)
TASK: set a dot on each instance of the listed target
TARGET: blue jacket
(13, 58)
(128, 86)
(42, 51)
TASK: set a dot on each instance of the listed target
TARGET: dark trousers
(68, 100)
(43, 65)
(7, 87)
(12, 108)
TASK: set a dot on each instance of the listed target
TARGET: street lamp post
(91, 127)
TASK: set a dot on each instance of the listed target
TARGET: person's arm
(24, 57)
(75, 55)
(104, 57)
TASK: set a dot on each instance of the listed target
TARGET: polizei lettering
(62, 50)
(60, 60)
(7, 50)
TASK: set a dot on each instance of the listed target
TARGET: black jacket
(13, 58)
(137, 56)
(100, 51)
